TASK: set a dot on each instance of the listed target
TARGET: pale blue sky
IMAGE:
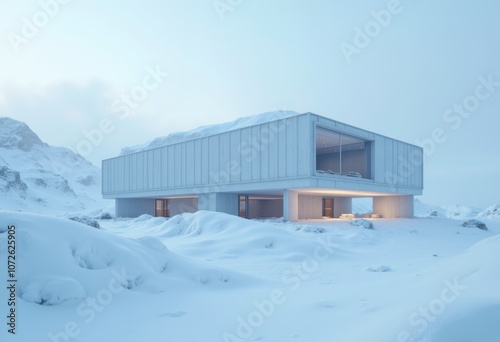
(264, 55)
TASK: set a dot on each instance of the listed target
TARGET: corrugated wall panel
(389, 150)
(197, 162)
(265, 138)
(204, 161)
(164, 167)
(257, 144)
(121, 173)
(273, 147)
(157, 174)
(171, 166)
(282, 150)
(190, 165)
(292, 147)
(305, 146)
(177, 165)
(224, 155)
(213, 161)
(183, 163)
(150, 171)
(247, 153)
(235, 156)
(127, 176)
(140, 169)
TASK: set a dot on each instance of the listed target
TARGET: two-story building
(300, 167)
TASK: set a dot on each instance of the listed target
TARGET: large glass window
(342, 155)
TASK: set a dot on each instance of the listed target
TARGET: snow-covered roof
(204, 131)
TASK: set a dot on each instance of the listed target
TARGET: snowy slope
(457, 212)
(35, 176)
(491, 213)
(209, 130)
(213, 277)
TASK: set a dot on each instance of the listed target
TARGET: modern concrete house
(300, 167)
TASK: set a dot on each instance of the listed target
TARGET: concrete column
(394, 206)
(290, 205)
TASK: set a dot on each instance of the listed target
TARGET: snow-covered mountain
(35, 176)
(209, 130)
(457, 212)
(492, 212)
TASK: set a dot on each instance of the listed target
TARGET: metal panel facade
(258, 153)
(280, 150)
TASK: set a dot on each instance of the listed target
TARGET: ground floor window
(243, 206)
(162, 208)
(328, 207)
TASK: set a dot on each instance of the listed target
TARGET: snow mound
(310, 229)
(479, 320)
(362, 223)
(89, 221)
(492, 212)
(86, 260)
(213, 235)
(379, 268)
(52, 290)
(474, 224)
(143, 217)
(209, 130)
(104, 215)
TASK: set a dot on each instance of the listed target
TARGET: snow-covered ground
(214, 277)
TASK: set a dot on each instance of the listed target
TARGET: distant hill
(35, 176)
